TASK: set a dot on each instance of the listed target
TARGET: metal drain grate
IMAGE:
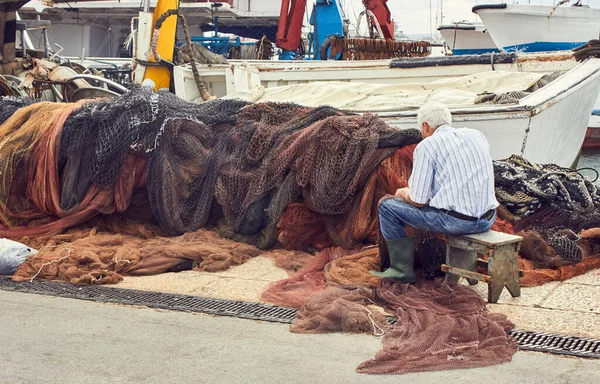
(564, 345)
(246, 310)
(530, 341)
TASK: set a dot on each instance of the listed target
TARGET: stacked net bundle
(226, 163)
(284, 152)
(155, 125)
(524, 188)
(200, 163)
(548, 206)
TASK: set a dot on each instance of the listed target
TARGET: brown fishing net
(542, 264)
(354, 269)
(337, 309)
(301, 227)
(438, 327)
(92, 257)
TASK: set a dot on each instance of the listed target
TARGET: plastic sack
(12, 255)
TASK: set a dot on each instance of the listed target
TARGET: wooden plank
(467, 245)
(504, 271)
(492, 238)
(461, 259)
(466, 274)
(485, 264)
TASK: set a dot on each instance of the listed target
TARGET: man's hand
(404, 193)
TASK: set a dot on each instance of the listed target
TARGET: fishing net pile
(91, 257)
(438, 326)
(148, 183)
(226, 165)
(549, 206)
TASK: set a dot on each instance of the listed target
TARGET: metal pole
(146, 6)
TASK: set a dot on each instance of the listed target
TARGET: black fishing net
(566, 247)
(524, 188)
(225, 158)
(431, 253)
(9, 105)
(548, 205)
(97, 137)
(284, 151)
(513, 97)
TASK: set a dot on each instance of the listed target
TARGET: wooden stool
(502, 263)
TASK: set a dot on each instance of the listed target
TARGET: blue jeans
(395, 213)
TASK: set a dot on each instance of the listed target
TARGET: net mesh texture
(148, 183)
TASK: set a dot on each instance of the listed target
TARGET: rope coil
(154, 50)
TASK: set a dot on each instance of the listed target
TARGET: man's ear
(425, 129)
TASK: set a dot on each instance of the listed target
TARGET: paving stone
(254, 269)
(551, 320)
(590, 278)
(530, 296)
(185, 283)
(575, 297)
(235, 289)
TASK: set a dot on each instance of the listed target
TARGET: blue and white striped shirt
(453, 170)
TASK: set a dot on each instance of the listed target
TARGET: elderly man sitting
(450, 191)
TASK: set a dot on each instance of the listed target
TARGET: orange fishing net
(92, 257)
(19, 136)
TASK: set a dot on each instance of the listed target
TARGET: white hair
(434, 114)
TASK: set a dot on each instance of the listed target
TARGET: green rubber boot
(402, 259)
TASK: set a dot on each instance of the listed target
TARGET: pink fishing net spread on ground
(439, 327)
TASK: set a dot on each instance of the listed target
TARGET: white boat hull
(223, 80)
(467, 39)
(537, 28)
(548, 126)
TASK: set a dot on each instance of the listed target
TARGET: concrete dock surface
(56, 340)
